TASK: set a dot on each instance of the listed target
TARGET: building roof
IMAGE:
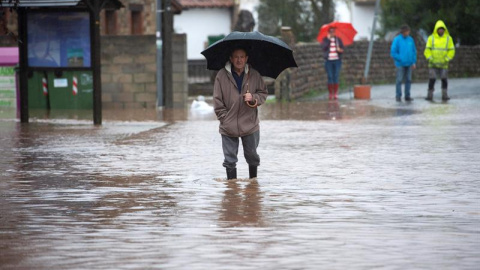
(55, 3)
(176, 6)
(207, 3)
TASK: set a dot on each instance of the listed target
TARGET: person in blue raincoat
(404, 53)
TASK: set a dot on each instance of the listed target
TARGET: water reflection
(334, 111)
(298, 110)
(325, 110)
(241, 206)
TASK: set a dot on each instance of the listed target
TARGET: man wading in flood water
(238, 91)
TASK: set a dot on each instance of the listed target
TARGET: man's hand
(248, 97)
(414, 66)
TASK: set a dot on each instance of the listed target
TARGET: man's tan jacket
(237, 119)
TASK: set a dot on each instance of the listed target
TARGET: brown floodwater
(342, 185)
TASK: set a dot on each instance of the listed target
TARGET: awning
(57, 3)
(9, 56)
(41, 3)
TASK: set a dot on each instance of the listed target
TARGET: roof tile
(207, 3)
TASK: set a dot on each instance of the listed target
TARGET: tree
(305, 17)
(13, 4)
(459, 16)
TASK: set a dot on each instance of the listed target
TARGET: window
(136, 19)
(110, 22)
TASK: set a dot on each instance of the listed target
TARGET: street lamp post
(370, 44)
(159, 46)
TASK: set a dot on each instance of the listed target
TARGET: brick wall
(129, 72)
(311, 75)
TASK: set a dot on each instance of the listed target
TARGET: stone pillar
(283, 88)
(180, 71)
(288, 36)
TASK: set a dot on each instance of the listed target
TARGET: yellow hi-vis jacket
(439, 50)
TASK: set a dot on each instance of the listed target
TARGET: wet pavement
(353, 184)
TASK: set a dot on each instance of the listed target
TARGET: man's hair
(404, 28)
(236, 48)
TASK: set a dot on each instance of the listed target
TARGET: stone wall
(311, 76)
(129, 72)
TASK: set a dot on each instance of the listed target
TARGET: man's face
(239, 59)
(406, 33)
(440, 31)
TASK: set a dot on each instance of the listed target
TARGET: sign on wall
(58, 39)
(7, 87)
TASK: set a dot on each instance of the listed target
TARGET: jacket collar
(228, 67)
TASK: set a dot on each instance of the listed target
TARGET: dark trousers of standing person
(333, 74)
(433, 73)
(230, 151)
(403, 73)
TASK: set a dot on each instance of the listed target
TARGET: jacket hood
(228, 67)
(440, 24)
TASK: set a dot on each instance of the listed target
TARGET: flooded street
(353, 184)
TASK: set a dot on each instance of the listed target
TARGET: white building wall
(360, 16)
(198, 24)
(362, 20)
(342, 11)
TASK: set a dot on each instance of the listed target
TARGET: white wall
(362, 20)
(360, 16)
(198, 24)
(342, 12)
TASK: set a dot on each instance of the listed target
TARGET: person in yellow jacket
(439, 51)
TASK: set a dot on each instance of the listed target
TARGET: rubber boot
(252, 171)
(430, 94)
(445, 96)
(335, 91)
(330, 91)
(231, 173)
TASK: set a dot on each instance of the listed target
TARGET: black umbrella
(267, 54)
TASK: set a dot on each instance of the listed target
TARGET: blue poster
(58, 39)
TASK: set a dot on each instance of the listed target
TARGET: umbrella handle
(248, 91)
(248, 102)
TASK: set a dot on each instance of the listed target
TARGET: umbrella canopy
(267, 54)
(344, 31)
